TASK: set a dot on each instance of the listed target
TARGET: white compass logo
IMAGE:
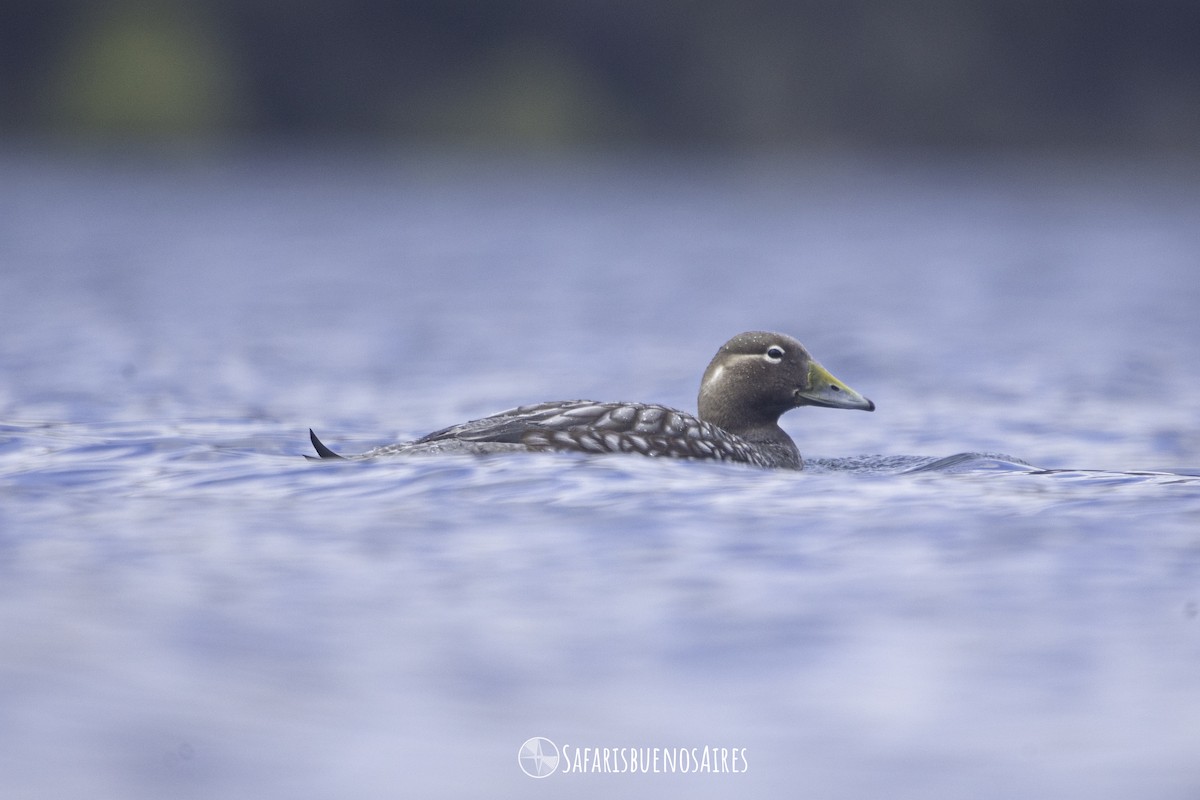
(538, 757)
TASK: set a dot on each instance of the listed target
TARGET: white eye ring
(774, 354)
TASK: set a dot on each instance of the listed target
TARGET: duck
(753, 379)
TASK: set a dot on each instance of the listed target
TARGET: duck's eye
(774, 354)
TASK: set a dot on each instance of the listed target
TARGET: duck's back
(587, 426)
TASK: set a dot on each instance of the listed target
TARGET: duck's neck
(764, 432)
(775, 440)
(783, 452)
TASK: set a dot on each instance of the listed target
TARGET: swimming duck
(752, 380)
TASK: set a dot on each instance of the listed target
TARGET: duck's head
(756, 376)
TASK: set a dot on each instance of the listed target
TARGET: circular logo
(538, 757)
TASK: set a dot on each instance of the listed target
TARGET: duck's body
(588, 426)
(753, 379)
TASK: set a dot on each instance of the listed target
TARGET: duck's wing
(505, 426)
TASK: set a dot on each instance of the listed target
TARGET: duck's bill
(827, 391)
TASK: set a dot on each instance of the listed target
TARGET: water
(188, 608)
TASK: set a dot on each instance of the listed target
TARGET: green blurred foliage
(550, 73)
(523, 94)
(143, 69)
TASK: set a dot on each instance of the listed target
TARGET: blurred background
(1092, 74)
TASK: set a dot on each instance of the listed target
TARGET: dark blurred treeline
(938, 73)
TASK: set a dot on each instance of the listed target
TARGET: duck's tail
(322, 450)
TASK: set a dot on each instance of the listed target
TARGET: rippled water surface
(989, 588)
